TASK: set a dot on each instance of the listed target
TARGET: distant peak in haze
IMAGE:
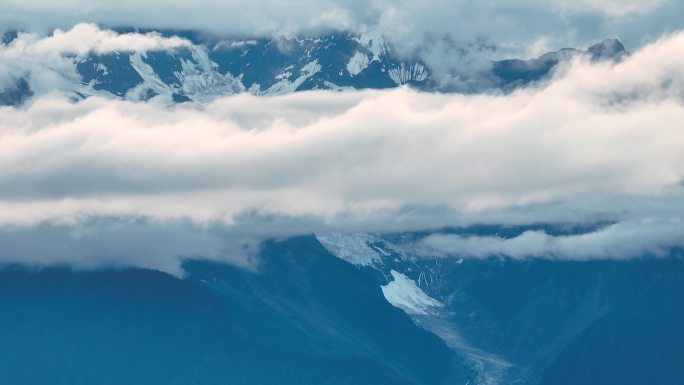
(515, 73)
(607, 49)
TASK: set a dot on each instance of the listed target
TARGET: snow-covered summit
(265, 66)
(211, 67)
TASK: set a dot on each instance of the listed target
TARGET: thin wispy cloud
(624, 240)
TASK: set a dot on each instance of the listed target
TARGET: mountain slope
(304, 318)
(388, 317)
(536, 321)
(264, 66)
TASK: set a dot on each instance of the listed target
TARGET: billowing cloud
(587, 145)
(89, 38)
(50, 62)
(510, 26)
(124, 242)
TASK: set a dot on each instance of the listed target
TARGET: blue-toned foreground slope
(306, 317)
(537, 321)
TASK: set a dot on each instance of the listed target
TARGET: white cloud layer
(600, 141)
(509, 25)
(89, 38)
(50, 62)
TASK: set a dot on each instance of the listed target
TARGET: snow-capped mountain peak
(204, 70)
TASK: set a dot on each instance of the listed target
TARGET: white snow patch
(284, 75)
(102, 68)
(334, 87)
(234, 44)
(285, 86)
(406, 295)
(150, 78)
(375, 43)
(353, 248)
(404, 74)
(201, 81)
(311, 68)
(381, 251)
(357, 63)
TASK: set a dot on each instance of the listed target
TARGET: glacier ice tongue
(403, 293)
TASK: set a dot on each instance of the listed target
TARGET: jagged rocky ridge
(214, 67)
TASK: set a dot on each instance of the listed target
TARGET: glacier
(403, 293)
